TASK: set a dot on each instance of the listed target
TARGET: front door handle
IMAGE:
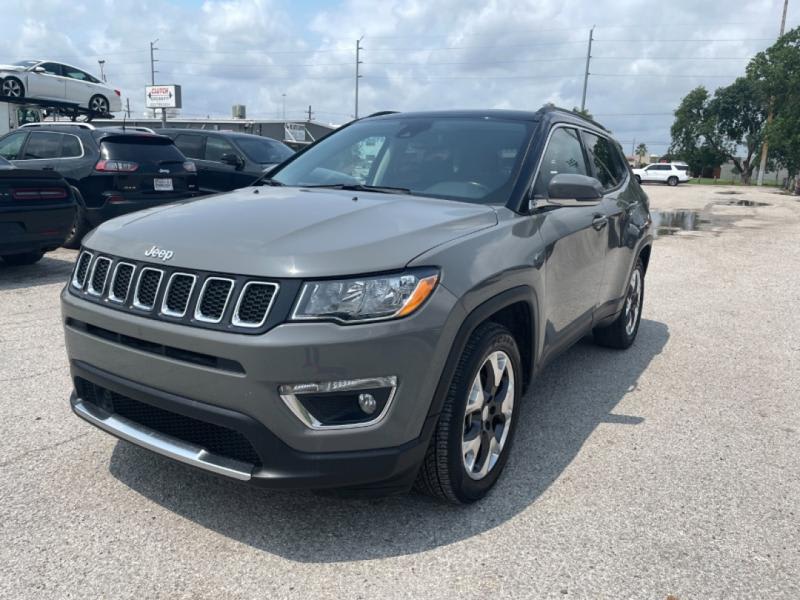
(599, 222)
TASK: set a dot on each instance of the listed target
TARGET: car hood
(292, 232)
(11, 68)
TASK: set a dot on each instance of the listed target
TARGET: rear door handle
(599, 222)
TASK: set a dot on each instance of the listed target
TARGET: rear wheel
(80, 226)
(638, 180)
(473, 437)
(672, 181)
(621, 333)
(12, 87)
(24, 258)
(98, 104)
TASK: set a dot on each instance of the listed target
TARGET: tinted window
(52, 68)
(11, 145)
(216, 147)
(70, 146)
(264, 151)
(42, 144)
(681, 167)
(609, 169)
(469, 159)
(564, 154)
(190, 145)
(146, 149)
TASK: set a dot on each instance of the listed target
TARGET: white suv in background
(669, 173)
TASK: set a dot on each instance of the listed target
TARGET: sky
(417, 54)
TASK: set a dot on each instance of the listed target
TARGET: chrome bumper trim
(162, 444)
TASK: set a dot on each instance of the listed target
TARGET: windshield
(472, 159)
(26, 63)
(264, 151)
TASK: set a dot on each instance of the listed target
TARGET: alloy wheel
(488, 413)
(633, 302)
(99, 105)
(12, 88)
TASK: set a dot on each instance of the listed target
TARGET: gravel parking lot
(667, 470)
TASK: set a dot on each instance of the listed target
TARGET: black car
(37, 210)
(227, 160)
(113, 170)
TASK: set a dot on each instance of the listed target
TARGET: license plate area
(163, 184)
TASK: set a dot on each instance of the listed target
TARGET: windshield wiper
(268, 181)
(360, 187)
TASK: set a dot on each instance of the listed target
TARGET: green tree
(641, 153)
(777, 69)
(709, 130)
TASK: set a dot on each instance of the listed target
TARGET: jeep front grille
(147, 288)
(197, 298)
(97, 282)
(177, 295)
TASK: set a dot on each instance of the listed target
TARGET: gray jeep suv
(371, 314)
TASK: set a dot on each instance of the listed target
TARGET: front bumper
(291, 453)
(279, 466)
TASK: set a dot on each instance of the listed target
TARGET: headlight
(365, 298)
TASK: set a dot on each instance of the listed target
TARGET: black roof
(226, 133)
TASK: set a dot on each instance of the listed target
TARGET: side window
(609, 170)
(70, 146)
(74, 73)
(42, 145)
(52, 68)
(190, 145)
(216, 147)
(11, 145)
(564, 154)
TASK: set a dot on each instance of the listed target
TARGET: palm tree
(641, 152)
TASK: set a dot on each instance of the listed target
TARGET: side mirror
(569, 189)
(231, 159)
(38, 70)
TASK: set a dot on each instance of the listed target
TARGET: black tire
(638, 180)
(672, 181)
(4, 91)
(24, 258)
(443, 473)
(618, 334)
(98, 104)
(80, 226)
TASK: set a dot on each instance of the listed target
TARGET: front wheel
(672, 181)
(24, 258)
(12, 88)
(473, 437)
(621, 333)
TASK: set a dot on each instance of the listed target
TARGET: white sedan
(46, 80)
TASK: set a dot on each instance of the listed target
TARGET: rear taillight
(116, 166)
(117, 92)
(39, 194)
(190, 167)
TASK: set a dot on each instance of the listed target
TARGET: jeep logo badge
(159, 253)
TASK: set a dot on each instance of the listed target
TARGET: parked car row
(116, 170)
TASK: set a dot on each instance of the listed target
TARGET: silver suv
(369, 316)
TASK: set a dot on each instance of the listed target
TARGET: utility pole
(310, 114)
(586, 72)
(284, 105)
(128, 107)
(762, 167)
(153, 71)
(102, 72)
(358, 76)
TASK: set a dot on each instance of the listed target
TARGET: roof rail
(552, 107)
(121, 127)
(59, 124)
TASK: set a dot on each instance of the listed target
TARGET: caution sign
(162, 96)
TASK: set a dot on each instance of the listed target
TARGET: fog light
(367, 403)
(340, 404)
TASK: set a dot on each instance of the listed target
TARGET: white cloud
(419, 54)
